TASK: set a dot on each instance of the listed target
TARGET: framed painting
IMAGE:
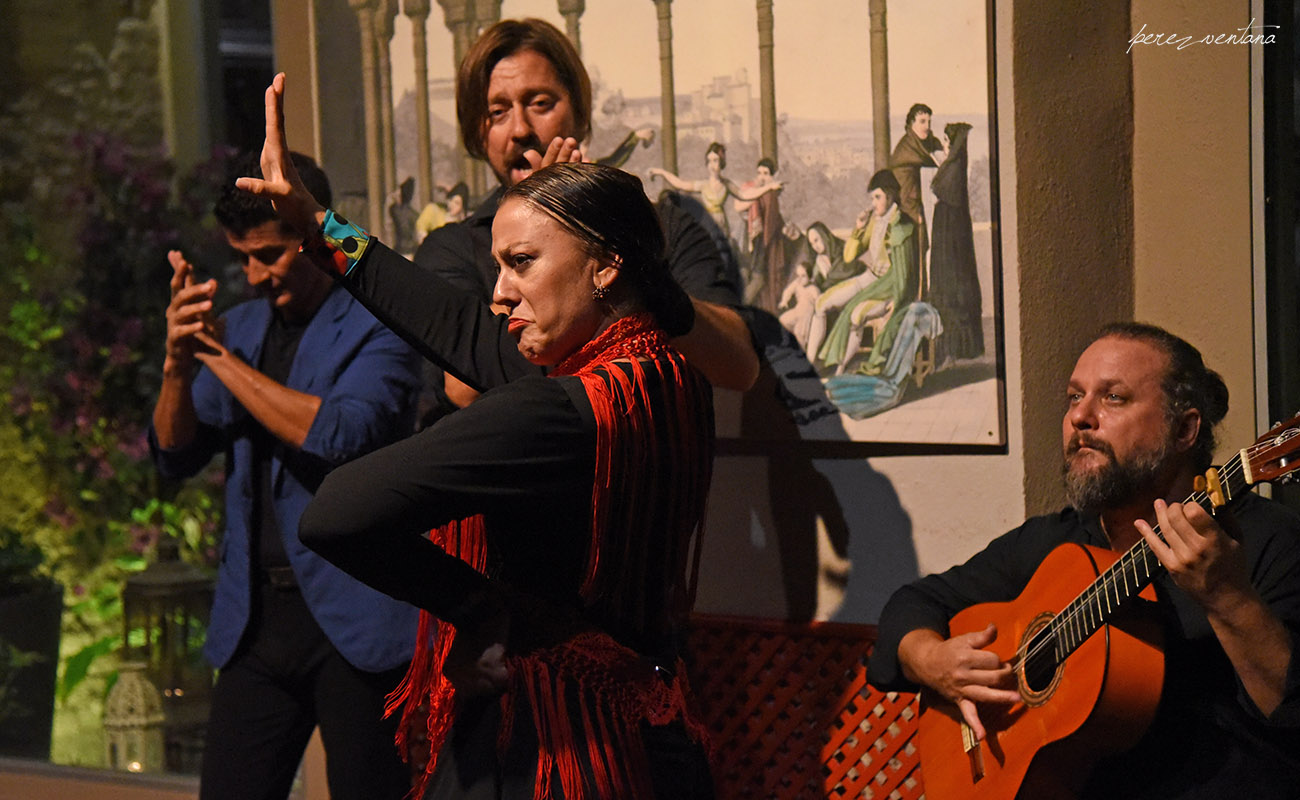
(842, 155)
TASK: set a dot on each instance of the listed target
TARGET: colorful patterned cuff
(338, 243)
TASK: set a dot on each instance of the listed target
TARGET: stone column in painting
(572, 11)
(667, 94)
(418, 11)
(385, 13)
(766, 80)
(458, 16)
(879, 83)
(486, 14)
(365, 10)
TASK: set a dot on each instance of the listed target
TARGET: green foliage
(76, 667)
(189, 521)
(89, 206)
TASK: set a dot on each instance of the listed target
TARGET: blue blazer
(367, 379)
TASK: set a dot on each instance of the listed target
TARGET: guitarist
(1138, 429)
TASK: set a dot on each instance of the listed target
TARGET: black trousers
(284, 680)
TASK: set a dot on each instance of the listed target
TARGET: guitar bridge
(974, 752)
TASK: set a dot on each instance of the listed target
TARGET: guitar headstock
(1273, 456)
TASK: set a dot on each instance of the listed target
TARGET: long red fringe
(613, 688)
(424, 689)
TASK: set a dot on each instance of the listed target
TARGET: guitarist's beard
(1113, 484)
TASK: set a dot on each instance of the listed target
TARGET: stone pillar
(879, 83)
(365, 10)
(483, 14)
(486, 14)
(185, 30)
(667, 94)
(766, 80)
(384, 16)
(1086, 230)
(458, 17)
(418, 11)
(572, 11)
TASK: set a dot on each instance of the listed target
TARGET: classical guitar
(1088, 667)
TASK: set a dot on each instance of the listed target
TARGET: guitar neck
(1128, 576)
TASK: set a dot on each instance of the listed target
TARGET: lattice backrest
(791, 715)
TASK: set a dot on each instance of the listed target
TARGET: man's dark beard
(1113, 484)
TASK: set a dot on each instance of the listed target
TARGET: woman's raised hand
(280, 182)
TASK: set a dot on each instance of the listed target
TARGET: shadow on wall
(797, 529)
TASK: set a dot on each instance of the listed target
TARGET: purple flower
(142, 538)
(131, 331)
(20, 400)
(59, 513)
(111, 155)
(135, 447)
(119, 355)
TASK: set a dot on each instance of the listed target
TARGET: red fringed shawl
(651, 478)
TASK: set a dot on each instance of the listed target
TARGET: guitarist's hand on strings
(960, 670)
(1202, 558)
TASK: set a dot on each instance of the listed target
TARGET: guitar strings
(1076, 607)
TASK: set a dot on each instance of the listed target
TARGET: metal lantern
(165, 610)
(133, 722)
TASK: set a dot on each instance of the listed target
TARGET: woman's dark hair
(917, 108)
(956, 131)
(502, 40)
(607, 209)
(461, 190)
(721, 150)
(1187, 384)
(834, 245)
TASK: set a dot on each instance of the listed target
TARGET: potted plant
(31, 607)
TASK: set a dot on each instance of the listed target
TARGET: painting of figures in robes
(843, 160)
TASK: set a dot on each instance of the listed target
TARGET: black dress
(954, 278)
(524, 457)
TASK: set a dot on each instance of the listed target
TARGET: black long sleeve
(444, 323)
(523, 455)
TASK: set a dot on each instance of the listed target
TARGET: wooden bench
(791, 716)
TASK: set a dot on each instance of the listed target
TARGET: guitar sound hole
(1040, 662)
